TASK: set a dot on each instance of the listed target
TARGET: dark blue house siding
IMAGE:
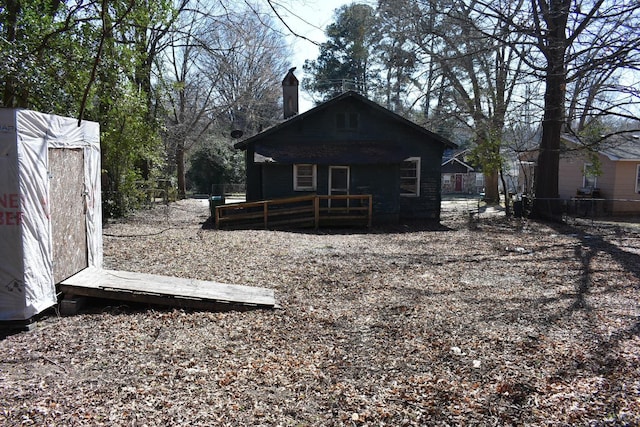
(253, 176)
(382, 182)
(277, 181)
(355, 132)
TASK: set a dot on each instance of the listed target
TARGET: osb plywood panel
(69, 232)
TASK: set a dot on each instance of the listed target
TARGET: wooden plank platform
(164, 290)
(9, 326)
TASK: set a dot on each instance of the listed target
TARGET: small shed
(50, 207)
(349, 145)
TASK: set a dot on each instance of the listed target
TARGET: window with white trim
(410, 177)
(304, 177)
(446, 178)
(638, 179)
(589, 179)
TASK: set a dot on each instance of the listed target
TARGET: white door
(338, 184)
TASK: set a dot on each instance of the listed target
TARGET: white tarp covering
(26, 262)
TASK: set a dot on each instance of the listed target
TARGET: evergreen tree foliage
(344, 60)
(46, 48)
(215, 162)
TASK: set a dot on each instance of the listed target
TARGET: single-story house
(614, 176)
(347, 145)
(458, 176)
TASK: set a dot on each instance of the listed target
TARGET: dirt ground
(474, 321)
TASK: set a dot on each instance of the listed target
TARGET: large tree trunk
(491, 193)
(549, 155)
(547, 204)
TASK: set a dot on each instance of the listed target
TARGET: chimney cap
(290, 79)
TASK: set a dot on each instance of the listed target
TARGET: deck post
(265, 210)
(316, 212)
(370, 213)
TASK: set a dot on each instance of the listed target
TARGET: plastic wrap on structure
(26, 246)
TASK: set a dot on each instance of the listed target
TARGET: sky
(307, 18)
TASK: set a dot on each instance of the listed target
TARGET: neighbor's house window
(589, 179)
(410, 177)
(446, 178)
(638, 179)
(304, 177)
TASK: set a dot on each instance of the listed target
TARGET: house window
(638, 179)
(410, 177)
(479, 179)
(446, 178)
(347, 121)
(589, 179)
(304, 177)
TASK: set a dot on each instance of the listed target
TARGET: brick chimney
(290, 94)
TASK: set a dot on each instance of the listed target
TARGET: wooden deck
(164, 290)
(295, 212)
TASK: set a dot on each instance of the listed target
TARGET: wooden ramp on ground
(164, 290)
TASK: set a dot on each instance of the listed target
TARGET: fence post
(316, 212)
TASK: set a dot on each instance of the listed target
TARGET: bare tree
(251, 60)
(187, 100)
(570, 41)
(596, 87)
(223, 70)
(482, 72)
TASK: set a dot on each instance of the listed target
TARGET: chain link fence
(577, 209)
(583, 208)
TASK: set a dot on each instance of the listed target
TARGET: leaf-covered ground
(490, 323)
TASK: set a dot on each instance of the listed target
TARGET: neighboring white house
(458, 176)
(613, 174)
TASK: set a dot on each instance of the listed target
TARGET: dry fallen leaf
(408, 325)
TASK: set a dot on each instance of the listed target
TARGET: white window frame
(332, 188)
(417, 162)
(585, 177)
(446, 178)
(296, 176)
(638, 179)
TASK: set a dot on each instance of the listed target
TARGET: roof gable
(357, 100)
(455, 161)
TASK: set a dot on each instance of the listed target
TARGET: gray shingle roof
(622, 147)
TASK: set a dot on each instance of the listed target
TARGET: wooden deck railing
(305, 211)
